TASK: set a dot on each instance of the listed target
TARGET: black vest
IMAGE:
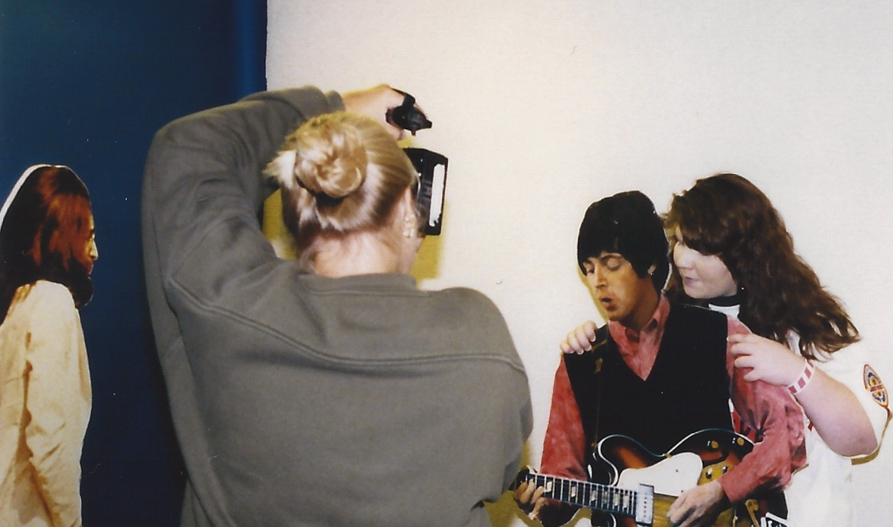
(686, 391)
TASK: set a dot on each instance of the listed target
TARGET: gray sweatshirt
(304, 400)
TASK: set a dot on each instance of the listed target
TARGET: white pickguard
(670, 476)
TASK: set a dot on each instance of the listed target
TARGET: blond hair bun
(339, 173)
(323, 157)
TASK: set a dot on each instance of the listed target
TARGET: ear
(407, 204)
(652, 269)
(407, 215)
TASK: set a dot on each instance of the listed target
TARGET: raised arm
(203, 190)
(204, 171)
(204, 187)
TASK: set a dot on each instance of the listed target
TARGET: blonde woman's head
(340, 173)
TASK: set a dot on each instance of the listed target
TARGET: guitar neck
(596, 496)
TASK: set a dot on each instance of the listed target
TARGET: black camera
(407, 116)
(431, 166)
(432, 170)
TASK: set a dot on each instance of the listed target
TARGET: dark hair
(627, 224)
(46, 224)
(728, 216)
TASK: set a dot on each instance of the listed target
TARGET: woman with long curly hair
(733, 254)
(47, 250)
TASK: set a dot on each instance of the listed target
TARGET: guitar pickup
(645, 505)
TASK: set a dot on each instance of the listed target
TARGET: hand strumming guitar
(698, 506)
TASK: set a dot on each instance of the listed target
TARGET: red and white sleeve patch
(875, 386)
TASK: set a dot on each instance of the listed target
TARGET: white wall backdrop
(545, 106)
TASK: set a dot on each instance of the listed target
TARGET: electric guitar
(642, 486)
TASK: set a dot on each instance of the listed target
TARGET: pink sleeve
(564, 446)
(778, 419)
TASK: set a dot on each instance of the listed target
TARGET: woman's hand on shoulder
(766, 360)
(579, 339)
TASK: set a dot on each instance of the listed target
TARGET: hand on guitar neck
(530, 499)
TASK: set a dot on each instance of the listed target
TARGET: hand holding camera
(398, 111)
(407, 116)
(430, 166)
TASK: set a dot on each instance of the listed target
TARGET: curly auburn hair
(46, 224)
(728, 216)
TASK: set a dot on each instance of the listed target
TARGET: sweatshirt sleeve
(777, 419)
(203, 189)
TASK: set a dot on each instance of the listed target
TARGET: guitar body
(696, 460)
(633, 487)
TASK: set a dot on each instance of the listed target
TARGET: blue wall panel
(87, 83)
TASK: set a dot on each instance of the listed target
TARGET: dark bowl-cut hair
(627, 224)
(46, 222)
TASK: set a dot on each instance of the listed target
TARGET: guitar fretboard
(605, 498)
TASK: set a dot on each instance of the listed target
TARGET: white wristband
(801, 382)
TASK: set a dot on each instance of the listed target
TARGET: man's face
(619, 290)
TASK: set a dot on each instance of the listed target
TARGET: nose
(94, 251)
(596, 278)
(682, 256)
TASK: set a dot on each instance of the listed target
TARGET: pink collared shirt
(639, 348)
